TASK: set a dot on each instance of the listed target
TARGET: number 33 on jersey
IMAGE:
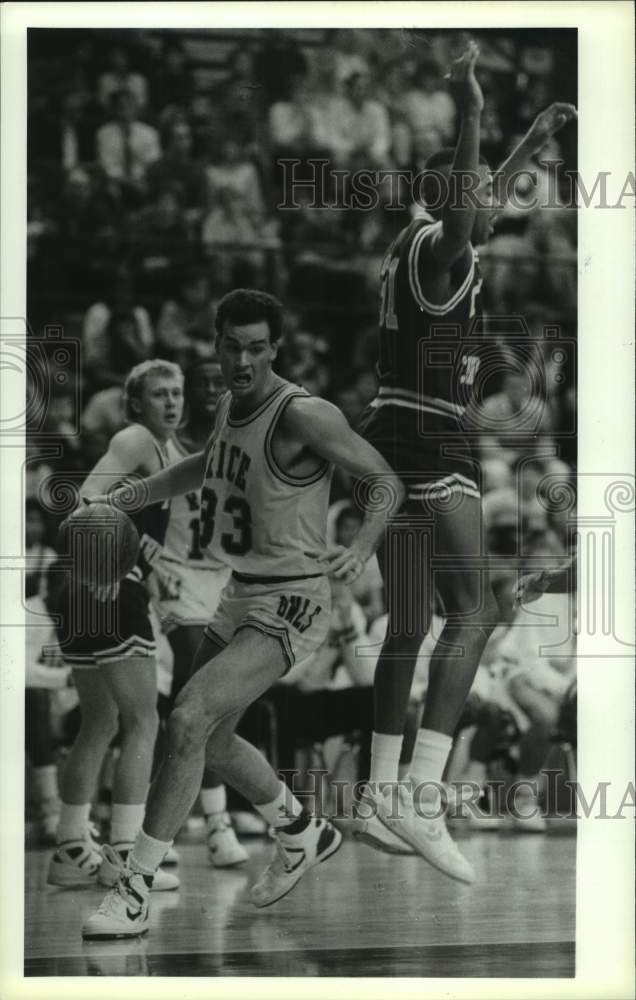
(255, 516)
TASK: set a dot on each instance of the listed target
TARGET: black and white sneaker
(295, 854)
(123, 912)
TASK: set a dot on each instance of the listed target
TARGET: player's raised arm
(543, 128)
(458, 214)
(322, 428)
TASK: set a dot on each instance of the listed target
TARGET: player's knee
(142, 719)
(186, 731)
(101, 727)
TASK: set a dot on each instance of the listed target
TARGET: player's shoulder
(133, 438)
(306, 415)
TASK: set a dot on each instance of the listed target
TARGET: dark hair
(442, 158)
(247, 305)
(192, 369)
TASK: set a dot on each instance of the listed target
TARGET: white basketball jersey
(182, 542)
(255, 516)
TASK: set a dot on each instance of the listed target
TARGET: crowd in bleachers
(153, 183)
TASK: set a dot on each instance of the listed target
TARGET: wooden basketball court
(362, 913)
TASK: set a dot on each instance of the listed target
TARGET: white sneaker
(248, 824)
(123, 912)
(224, 850)
(295, 855)
(372, 831)
(114, 864)
(75, 863)
(429, 837)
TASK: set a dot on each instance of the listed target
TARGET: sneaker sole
(365, 837)
(112, 935)
(232, 863)
(444, 871)
(337, 842)
(72, 883)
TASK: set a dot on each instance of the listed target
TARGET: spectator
(295, 121)
(232, 225)
(135, 326)
(63, 137)
(177, 169)
(234, 171)
(125, 146)
(159, 238)
(185, 324)
(173, 83)
(118, 77)
(427, 104)
(356, 128)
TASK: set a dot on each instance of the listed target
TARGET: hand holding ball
(102, 542)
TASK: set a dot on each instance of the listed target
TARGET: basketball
(102, 542)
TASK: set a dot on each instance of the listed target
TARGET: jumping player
(427, 366)
(114, 664)
(265, 477)
(191, 580)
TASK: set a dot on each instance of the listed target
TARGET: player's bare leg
(209, 706)
(132, 683)
(224, 849)
(471, 615)
(76, 860)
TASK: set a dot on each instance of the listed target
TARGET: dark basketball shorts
(428, 451)
(92, 632)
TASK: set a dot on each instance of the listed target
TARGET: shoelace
(281, 860)
(113, 858)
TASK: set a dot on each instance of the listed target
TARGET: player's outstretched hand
(463, 82)
(345, 564)
(531, 587)
(550, 121)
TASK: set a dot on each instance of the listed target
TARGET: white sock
(281, 811)
(429, 760)
(45, 782)
(73, 823)
(385, 757)
(125, 822)
(213, 800)
(147, 854)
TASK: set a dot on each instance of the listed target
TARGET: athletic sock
(213, 800)
(385, 757)
(147, 854)
(282, 811)
(126, 822)
(431, 752)
(73, 823)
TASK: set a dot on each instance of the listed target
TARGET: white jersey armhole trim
(436, 309)
(273, 465)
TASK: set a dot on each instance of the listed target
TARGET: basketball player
(108, 642)
(191, 581)
(265, 477)
(427, 365)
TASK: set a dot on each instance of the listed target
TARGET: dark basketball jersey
(425, 357)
